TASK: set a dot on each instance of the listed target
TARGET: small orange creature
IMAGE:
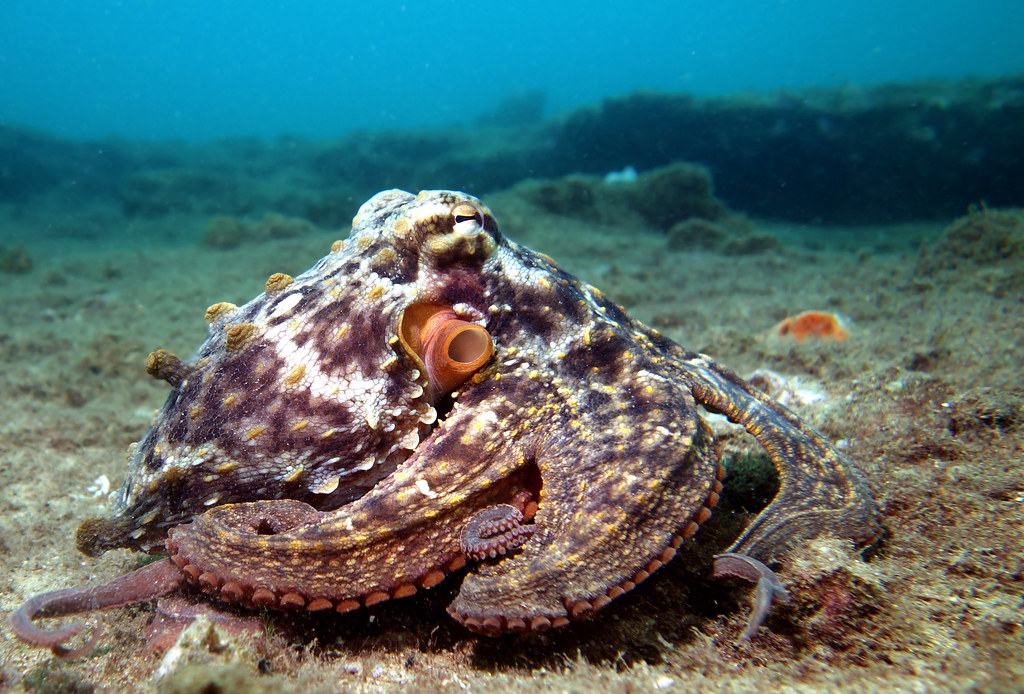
(827, 326)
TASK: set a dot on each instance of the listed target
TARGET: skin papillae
(565, 468)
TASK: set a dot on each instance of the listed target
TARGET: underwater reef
(849, 154)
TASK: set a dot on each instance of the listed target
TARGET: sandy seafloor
(925, 396)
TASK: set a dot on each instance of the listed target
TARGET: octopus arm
(625, 476)
(820, 491)
(151, 581)
(403, 535)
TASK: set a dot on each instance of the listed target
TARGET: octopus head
(321, 386)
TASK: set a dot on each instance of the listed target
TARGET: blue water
(199, 69)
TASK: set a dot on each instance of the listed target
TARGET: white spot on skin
(429, 416)
(327, 486)
(363, 466)
(485, 418)
(468, 313)
(425, 489)
(411, 441)
(285, 305)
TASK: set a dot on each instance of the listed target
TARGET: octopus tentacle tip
(54, 639)
(151, 581)
(768, 588)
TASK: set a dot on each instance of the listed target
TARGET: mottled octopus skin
(584, 419)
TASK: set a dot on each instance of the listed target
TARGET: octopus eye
(468, 219)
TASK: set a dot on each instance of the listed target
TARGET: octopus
(432, 396)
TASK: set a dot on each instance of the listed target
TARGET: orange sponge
(819, 324)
